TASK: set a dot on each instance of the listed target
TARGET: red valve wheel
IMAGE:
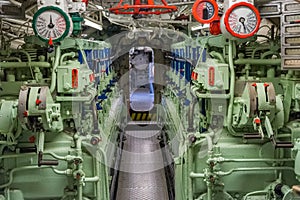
(143, 9)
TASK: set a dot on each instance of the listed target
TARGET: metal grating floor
(142, 175)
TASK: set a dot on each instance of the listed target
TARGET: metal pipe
(69, 54)
(181, 3)
(217, 55)
(91, 179)
(220, 160)
(257, 49)
(243, 61)
(209, 190)
(56, 63)
(207, 95)
(254, 193)
(16, 3)
(24, 52)
(98, 184)
(211, 96)
(79, 191)
(189, 170)
(12, 58)
(24, 64)
(197, 175)
(232, 87)
(63, 172)
(191, 115)
(11, 173)
(221, 173)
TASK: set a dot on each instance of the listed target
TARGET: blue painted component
(194, 50)
(89, 57)
(181, 63)
(187, 102)
(173, 61)
(80, 57)
(107, 61)
(102, 96)
(204, 55)
(176, 62)
(188, 71)
(203, 112)
(101, 57)
(151, 88)
(188, 52)
(198, 52)
(98, 105)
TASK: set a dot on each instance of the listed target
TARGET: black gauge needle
(50, 25)
(244, 27)
(242, 20)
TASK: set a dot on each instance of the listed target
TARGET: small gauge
(242, 20)
(205, 11)
(51, 22)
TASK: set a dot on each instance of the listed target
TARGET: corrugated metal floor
(142, 175)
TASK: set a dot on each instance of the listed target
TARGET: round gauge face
(205, 11)
(51, 22)
(242, 20)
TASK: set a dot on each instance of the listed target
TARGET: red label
(194, 76)
(74, 78)
(211, 76)
(92, 77)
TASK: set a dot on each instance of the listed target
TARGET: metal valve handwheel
(143, 9)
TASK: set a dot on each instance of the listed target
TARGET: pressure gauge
(205, 11)
(51, 22)
(242, 20)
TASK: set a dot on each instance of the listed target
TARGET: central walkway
(142, 175)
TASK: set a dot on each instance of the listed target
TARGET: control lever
(277, 144)
(252, 136)
(40, 150)
(281, 144)
(46, 161)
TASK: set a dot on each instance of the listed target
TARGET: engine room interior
(150, 100)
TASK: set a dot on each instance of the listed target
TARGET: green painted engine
(54, 104)
(232, 107)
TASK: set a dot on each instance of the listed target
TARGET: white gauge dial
(51, 22)
(242, 20)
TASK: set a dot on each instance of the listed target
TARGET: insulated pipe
(56, 63)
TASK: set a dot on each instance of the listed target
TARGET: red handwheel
(143, 9)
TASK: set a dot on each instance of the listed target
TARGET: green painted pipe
(24, 64)
(11, 173)
(69, 54)
(221, 173)
(231, 93)
(189, 170)
(56, 63)
(257, 61)
(217, 55)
